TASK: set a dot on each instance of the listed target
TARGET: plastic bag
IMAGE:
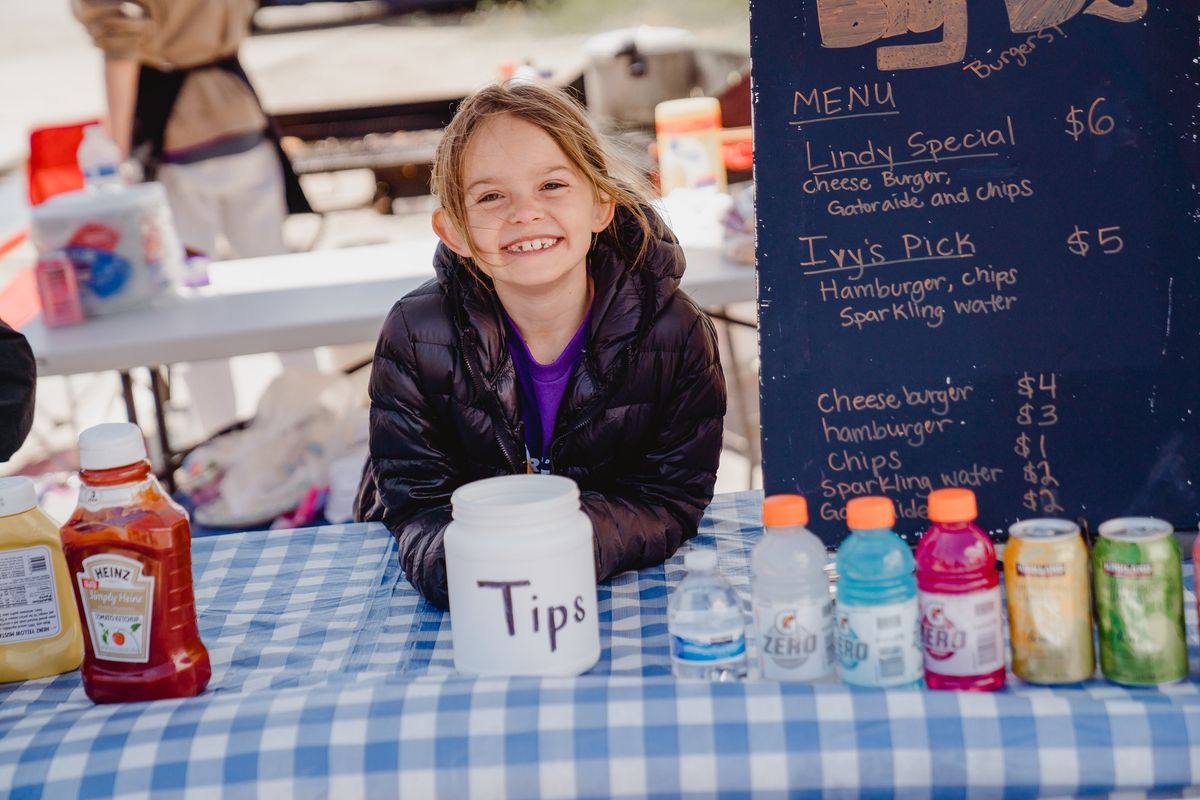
(305, 420)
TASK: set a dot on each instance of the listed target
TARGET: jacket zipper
(512, 464)
(597, 404)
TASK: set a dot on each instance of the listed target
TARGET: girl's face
(531, 213)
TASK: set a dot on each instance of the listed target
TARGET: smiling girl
(554, 339)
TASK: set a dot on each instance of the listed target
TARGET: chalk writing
(853, 23)
(1108, 238)
(844, 102)
(1018, 54)
(1098, 124)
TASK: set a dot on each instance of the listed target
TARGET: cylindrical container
(705, 623)
(58, 290)
(1139, 601)
(40, 633)
(129, 549)
(521, 576)
(878, 617)
(1049, 602)
(959, 590)
(793, 610)
(689, 146)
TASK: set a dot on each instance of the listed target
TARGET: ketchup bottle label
(117, 602)
(961, 633)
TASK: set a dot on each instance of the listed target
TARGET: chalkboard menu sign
(979, 255)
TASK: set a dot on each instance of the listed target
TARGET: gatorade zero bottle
(959, 590)
(878, 616)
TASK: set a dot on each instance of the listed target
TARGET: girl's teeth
(531, 244)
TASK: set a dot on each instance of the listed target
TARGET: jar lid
(111, 444)
(17, 495)
(700, 560)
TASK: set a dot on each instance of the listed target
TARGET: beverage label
(795, 639)
(961, 633)
(880, 645)
(1139, 605)
(118, 604)
(1049, 616)
(713, 650)
(28, 598)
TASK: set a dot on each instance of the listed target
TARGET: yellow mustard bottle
(40, 633)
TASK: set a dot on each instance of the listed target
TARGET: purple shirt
(541, 388)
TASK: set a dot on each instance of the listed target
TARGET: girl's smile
(533, 245)
(530, 212)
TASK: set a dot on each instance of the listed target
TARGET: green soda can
(1138, 573)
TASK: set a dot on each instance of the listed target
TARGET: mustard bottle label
(118, 605)
(28, 598)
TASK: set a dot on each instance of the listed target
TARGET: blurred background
(360, 90)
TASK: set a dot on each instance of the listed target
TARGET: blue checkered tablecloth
(331, 678)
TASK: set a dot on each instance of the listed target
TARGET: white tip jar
(520, 567)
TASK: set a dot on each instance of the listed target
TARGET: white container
(98, 157)
(689, 150)
(120, 239)
(522, 578)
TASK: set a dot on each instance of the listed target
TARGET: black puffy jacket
(639, 428)
(18, 384)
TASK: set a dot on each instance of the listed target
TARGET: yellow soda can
(1049, 602)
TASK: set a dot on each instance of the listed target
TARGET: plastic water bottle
(99, 158)
(959, 590)
(704, 619)
(793, 610)
(878, 621)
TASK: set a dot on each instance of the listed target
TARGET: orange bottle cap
(785, 510)
(870, 513)
(952, 505)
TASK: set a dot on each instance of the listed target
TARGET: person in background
(180, 103)
(554, 338)
(18, 386)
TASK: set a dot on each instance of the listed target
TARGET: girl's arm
(656, 505)
(410, 475)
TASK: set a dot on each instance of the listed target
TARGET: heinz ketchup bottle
(959, 591)
(129, 550)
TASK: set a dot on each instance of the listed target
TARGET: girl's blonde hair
(566, 123)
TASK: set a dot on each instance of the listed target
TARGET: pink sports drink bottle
(959, 591)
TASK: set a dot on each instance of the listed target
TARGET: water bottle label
(880, 645)
(730, 646)
(795, 639)
(961, 633)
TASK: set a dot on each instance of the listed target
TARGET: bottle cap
(870, 513)
(111, 444)
(17, 495)
(952, 505)
(784, 511)
(700, 560)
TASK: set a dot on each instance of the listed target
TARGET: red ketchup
(129, 552)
